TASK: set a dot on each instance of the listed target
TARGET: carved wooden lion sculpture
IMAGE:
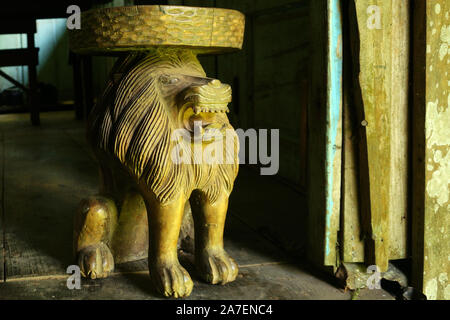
(131, 130)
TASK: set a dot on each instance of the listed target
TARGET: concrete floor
(46, 171)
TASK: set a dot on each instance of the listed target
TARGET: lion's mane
(130, 122)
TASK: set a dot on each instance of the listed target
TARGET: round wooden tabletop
(134, 28)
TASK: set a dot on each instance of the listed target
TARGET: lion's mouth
(210, 109)
(205, 124)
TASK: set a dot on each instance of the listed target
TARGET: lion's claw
(217, 267)
(171, 279)
(95, 261)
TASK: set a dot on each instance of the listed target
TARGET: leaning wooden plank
(351, 242)
(431, 149)
(325, 135)
(375, 48)
(334, 131)
(355, 188)
(353, 249)
(398, 202)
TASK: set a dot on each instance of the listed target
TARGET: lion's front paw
(171, 279)
(95, 261)
(216, 266)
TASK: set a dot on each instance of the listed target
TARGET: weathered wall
(431, 150)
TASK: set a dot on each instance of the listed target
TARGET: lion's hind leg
(130, 241)
(94, 225)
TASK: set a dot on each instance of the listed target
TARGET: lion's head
(148, 97)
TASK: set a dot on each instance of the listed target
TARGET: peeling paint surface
(431, 289)
(438, 138)
(384, 68)
(445, 42)
(334, 132)
(443, 278)
(375, 78)
(437, 154)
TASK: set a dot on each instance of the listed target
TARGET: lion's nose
(217, 87)
(211, 97)
(215, 83)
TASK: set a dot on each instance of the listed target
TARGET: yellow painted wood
(383, 61)
(431, 149)
(132, 28)
(398, 202)
(375, 82)
(352, 245)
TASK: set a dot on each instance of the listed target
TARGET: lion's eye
(168, 80)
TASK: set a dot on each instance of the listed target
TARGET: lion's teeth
(197, 109)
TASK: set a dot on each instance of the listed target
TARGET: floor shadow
(48, 171)
(45, 176)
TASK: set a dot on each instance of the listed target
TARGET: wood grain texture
(334, 132)
(356, 199)
(399, 88)
(431, 149)
(392, 77)
(352, 246)
(375, 82)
